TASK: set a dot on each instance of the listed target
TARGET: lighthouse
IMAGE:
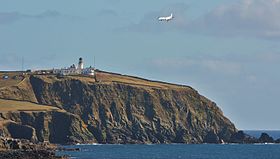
(73, 70)
(80, 64)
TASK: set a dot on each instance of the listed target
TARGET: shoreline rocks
(25, 149)
(242, 138)
(239, 138)
(212, 138)
(30, 154)
(265, 138)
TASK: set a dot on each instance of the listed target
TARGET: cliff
(114, 108)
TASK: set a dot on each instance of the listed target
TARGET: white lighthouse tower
(73, 70)
(80, 64)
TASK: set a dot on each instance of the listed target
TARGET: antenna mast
(94, 62)
(22, 64)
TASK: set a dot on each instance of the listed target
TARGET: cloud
(269, 57)
(10, 17)
(251, 18)
(258, 18)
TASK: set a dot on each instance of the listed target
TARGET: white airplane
(166, 18)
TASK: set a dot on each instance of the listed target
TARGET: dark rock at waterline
(32, 154)
(23, 144)
(26, 149)
(242, 138)
(212, 138)
(277, 141)
(265, 138)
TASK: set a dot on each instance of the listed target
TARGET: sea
(177, 151)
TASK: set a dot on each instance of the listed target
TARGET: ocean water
(176, 151)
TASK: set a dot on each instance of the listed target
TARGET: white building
(73, 70)
(88, 71)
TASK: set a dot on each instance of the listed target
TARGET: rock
(122, 109)
(242, 138)
(34, 154)
(25, 149)
(55, 127)
(277, 141)
(212, 138)
(14, 144)
(265, 138)
(18, 131)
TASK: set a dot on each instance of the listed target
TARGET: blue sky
(228, 50)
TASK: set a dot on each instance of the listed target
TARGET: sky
(227, 50)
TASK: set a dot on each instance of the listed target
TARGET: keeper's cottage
(75, 70)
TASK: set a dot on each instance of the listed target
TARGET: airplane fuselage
(166, 18)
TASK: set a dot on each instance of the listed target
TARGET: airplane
(166, 18)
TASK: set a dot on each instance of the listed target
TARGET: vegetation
(104, 77)
(14, 78)
(13, 105)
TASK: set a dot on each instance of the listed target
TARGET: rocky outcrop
(265, 138)
(242, 138)
(121, 112)
(25, 149)
(18, 131)
(55, 127)
(34, 154)
(14, 144)
(277, 141)
(212, 138)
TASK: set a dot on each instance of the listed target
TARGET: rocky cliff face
(55, 127)
(117, 109)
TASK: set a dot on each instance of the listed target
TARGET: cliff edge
(111, 108)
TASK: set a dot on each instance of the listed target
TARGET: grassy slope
(13, 105)
(14, 79)
(109, 78)
(104, 77)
